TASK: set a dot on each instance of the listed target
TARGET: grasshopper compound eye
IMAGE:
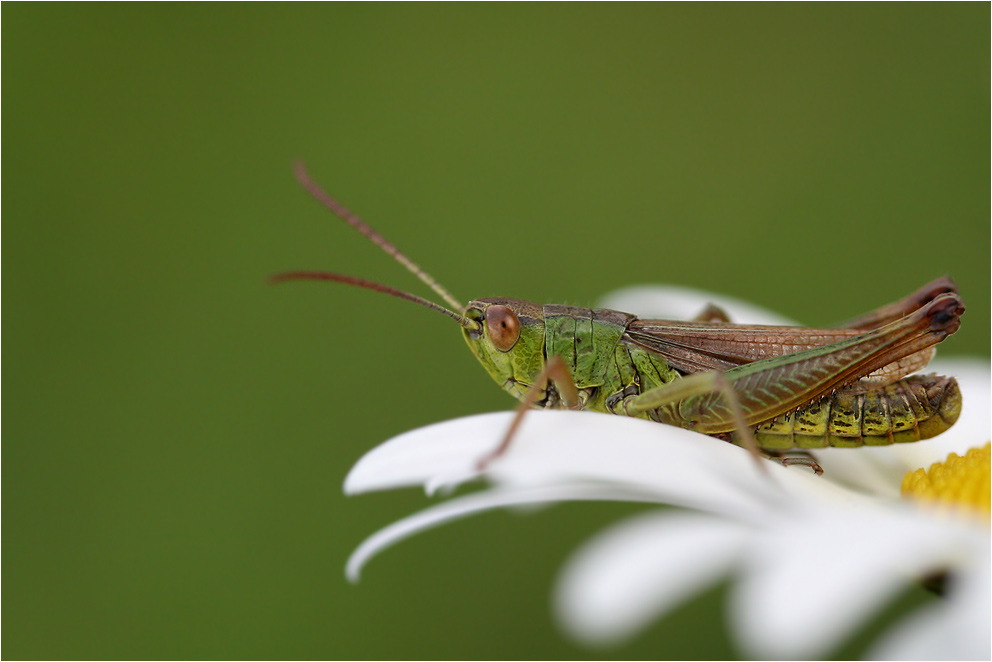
(503, 327)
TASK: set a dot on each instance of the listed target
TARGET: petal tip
(355, 564)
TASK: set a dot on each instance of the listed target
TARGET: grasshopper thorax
(507, 338)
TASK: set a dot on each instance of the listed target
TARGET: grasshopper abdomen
(911, 409)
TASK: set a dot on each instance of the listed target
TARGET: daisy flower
(809, 558)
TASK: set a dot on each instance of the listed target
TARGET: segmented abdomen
(913, 408)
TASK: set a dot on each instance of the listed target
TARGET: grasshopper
(772, 388)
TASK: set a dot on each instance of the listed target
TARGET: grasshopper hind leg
(905, 306)
(665, 402)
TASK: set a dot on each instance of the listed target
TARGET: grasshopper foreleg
(555, 371)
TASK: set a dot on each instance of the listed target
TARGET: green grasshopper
(772, 388)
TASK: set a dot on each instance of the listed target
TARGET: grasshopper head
(507, 336)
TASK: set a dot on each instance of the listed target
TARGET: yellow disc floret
(956, 482)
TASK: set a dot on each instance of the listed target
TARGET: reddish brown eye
(503, 327)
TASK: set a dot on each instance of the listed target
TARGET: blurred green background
(178, 431)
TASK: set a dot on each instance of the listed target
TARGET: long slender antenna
(375, 237)
(371, 285)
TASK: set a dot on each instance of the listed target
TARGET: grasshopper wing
(700, 346)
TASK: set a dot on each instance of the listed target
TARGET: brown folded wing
(699, 346)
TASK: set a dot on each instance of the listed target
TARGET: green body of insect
(806, 392)
(789, 387)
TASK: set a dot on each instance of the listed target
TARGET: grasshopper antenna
(370, 285)
(351, 219)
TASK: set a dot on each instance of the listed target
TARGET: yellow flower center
(956, 482)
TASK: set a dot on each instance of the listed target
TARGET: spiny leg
(554, 370)
(895, 311)
(705, 383)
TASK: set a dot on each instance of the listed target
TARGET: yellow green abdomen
(912, 409)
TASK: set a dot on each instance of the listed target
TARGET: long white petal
(449, 448)
(635, 572)
(808, 582)
(552, 447)
(471, 504)
(684, 303)
(956, 628)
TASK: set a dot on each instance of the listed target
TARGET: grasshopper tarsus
(801, 460)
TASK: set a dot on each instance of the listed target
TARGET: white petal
(683, 303)
(635, 572)
(812, 580)
(471, 504)
(862, 469)
(957, 628)
(679, 467)
(449, 448)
